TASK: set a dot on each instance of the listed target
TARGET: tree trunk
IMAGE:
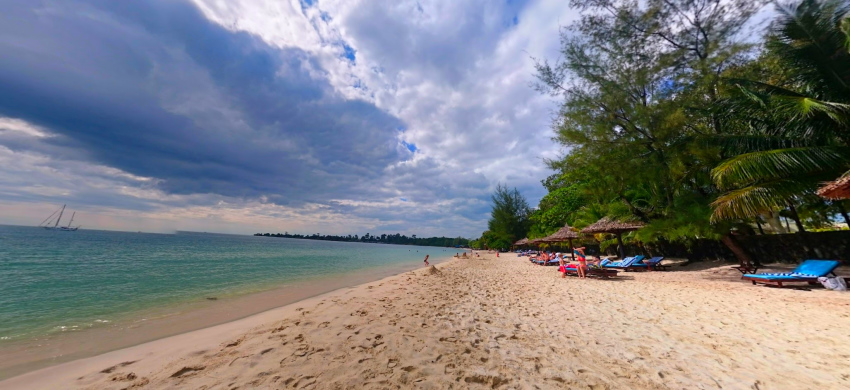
(738, 250)
(843, 211)
(622, 248)
(758, 223)
(796, 218)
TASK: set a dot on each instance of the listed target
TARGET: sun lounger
(615, 264)
(648, 265)
(595, 271)
(626, 263)
(746, 268)
(808, 271)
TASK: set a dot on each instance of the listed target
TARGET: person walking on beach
(426, 261)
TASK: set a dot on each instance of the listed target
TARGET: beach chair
(746, 268)
(626, 263)
(808, 271)
(648, 265)
(615, 264)
(593, 270)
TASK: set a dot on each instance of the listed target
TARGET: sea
(67, 295)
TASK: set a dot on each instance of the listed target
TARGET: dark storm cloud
(155, 89)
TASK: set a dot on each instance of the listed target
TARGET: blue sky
(254, 116)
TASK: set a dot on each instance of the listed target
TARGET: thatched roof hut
(607, 225)
(565, 233)
(521, 242)
(839, 189)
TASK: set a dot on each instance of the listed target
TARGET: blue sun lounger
(614, 264)
(625, 264)
(538, 262)
(808, 271)
(648, 265)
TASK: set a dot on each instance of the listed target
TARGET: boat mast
(48, 218)
(60, 216)
(72, 218)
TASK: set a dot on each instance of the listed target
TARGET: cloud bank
(333, 116)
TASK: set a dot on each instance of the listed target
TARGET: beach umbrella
(607, 225)
(839, 189)
(521, 242)
(537, 241)
(565, 233)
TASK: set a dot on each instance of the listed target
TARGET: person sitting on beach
(562, 266)
(581, 268)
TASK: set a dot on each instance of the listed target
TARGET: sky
(310, 116)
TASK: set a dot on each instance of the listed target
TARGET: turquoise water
(53, 281)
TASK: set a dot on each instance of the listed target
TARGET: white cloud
(457, 74)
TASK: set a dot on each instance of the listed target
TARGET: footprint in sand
(123, 377)
(235, 343)
(187, 370)
(123, 364)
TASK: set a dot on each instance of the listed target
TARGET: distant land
(397, 239)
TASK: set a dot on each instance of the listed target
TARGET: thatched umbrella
(565, 233)
(522, 242)
(839, 189)
(607, 225)
(536, 241)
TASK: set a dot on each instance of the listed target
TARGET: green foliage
(797, 125)
(556, 209)
(509, 219)
(637, 79)
(398, 239)
(673, 116)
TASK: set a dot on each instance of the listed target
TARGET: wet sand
(137, 328)
(504, 323)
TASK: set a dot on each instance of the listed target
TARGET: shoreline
(153, 352)
(502, 323)
(177, 318)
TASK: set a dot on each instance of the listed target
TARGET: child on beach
(426, 260)
(562, 266)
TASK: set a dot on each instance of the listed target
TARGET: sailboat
(50, 224)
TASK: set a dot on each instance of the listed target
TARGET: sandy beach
(503, 323)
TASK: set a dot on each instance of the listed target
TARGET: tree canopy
(673, 115)
(509, 219)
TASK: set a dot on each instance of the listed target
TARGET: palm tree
(795, 134)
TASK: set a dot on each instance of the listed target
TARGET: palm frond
(751, 201)
(800, 107)
(812, 42)
(778, 163)
(748, 143)
(755, 95)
